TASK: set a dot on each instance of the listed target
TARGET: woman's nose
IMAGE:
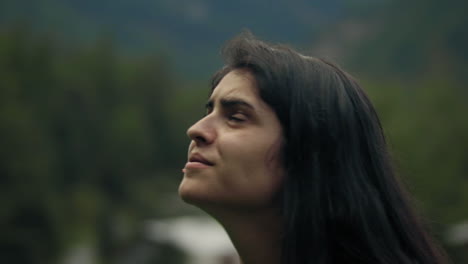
(202, 132)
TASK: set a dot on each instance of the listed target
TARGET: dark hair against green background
(341, 200)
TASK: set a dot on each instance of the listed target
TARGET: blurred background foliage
(95, 98)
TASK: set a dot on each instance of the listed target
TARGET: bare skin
(256, 237)
(233, 170)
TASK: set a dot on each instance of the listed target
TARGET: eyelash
(230, 117)
(236, 119)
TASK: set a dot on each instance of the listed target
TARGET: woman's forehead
(237, 83)
(240, 86)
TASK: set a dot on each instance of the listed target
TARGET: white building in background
(201, 238)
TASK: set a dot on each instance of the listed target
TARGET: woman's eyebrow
(230, 103)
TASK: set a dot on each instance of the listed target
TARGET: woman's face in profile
(233, 157)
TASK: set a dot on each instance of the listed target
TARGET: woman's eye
(237, 117)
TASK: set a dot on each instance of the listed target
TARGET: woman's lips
(196, 165)
(197, 161)
(197, 157)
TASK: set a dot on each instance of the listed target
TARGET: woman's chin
(189, 192)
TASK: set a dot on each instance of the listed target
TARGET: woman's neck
(255, 235)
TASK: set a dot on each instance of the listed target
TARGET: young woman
(290, 158)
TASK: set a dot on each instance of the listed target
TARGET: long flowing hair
(341, 201)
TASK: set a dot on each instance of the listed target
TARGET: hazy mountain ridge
(390, 35)
(190, 30)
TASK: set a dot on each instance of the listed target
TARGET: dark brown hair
(341, 201)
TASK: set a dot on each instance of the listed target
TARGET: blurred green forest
(89, 140)
(92, 139)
